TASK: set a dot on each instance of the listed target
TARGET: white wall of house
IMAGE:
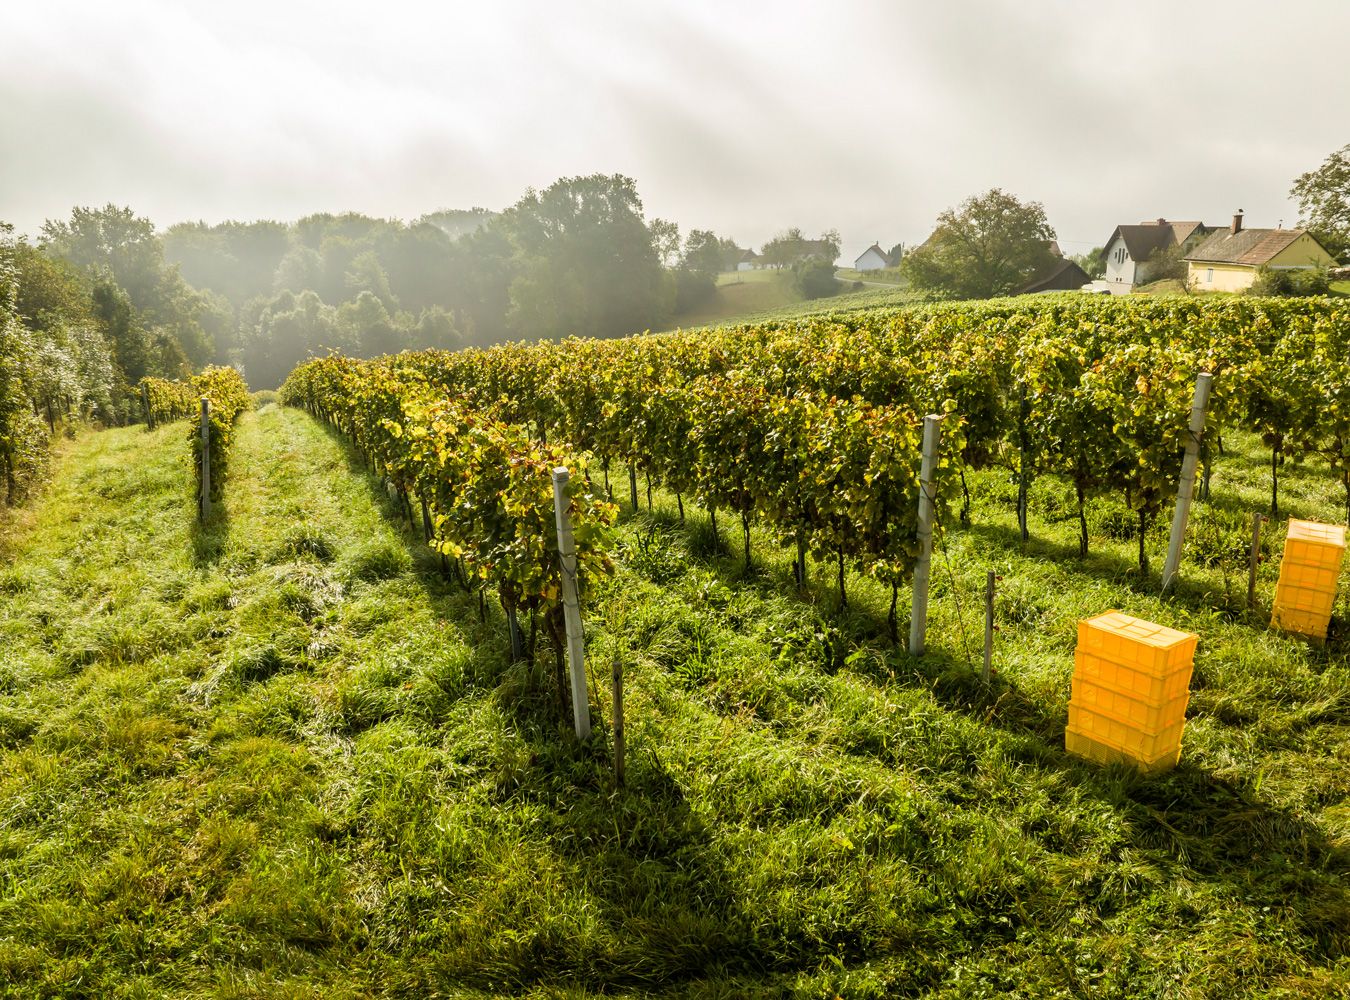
(746, 265)
(870, 261)
(1120, 267)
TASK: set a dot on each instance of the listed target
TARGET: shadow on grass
(647, 859)
(1216, 828)
(656, 874)
(210, 538)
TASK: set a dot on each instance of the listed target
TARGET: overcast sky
(744, 117)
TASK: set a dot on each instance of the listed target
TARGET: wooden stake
(1186, 488)
(618, 721)
(567, 556)
(517, 638)
(204, 509)
(989, 625)
(1255, 558)
(918, 618)
(145, 402)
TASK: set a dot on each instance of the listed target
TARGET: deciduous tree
(1324, 202)
(989, 245)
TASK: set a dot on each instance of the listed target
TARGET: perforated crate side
(1143, 714)
(1140, 745)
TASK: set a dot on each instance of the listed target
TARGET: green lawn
(885, 275)
(283, 758)
(1341, 287)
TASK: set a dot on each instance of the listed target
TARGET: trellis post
(567, 556)
(205, 506)
(918, 616)
(1254, 558)
(989, 584)
(1186, 488)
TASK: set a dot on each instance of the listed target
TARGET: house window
(1209, 275)
(1120, 255)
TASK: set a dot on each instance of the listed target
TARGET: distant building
(1130, 250)
(750, 261)
(1061, 275)
(872, 259)
(1228, 261)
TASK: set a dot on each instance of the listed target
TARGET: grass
(1340, 287)
(764, 295)
(282, 757)
(885, 275)
(740, 294)
(1166, 286)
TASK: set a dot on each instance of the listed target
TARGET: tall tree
(990, 245)
(666, 239)
(113, 243)
(584, 260)
(696, 279)
(1324, 202)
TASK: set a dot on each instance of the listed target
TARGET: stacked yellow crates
(1131, 684)
(1308, 574)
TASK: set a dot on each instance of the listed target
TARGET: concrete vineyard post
(567, 555)
(918, 617)
(206, 459)
(1254, 558)
(1186, 488)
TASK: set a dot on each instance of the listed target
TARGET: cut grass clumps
(305, 541)
(259, 664)
(304, 767)
(381, 559)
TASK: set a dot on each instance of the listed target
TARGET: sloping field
(282, 757)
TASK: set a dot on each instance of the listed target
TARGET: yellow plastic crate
(1314, 626)
(1143, 646)
(1305, 599)
(1126, 738)
(1130, 680)
(1081, 745)
(1310, 569)
(1142, 714)
(1315, 544)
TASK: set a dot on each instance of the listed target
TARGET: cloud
(870, 117)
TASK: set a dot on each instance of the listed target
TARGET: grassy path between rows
(282, 758)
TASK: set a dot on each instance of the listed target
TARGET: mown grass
(885, 275)
(281, 757)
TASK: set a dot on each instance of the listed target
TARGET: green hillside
(282, 757)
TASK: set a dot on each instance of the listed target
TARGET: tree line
(579, 256)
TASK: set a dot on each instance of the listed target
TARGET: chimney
(1237, 223)
(1162, 221)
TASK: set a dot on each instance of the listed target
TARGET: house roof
(1142, 242)
(884, 255)
(1252, 247)
(1147, 238)
(749, 255)
(1061, 274)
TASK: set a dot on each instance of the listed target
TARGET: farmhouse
(1229, 260)
(750, 261)
(1130, 252)
(872, 259)
(1061, 275)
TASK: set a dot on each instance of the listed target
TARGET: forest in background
(576, 257)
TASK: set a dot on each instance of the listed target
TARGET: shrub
(814, 278)
(1290, 284)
